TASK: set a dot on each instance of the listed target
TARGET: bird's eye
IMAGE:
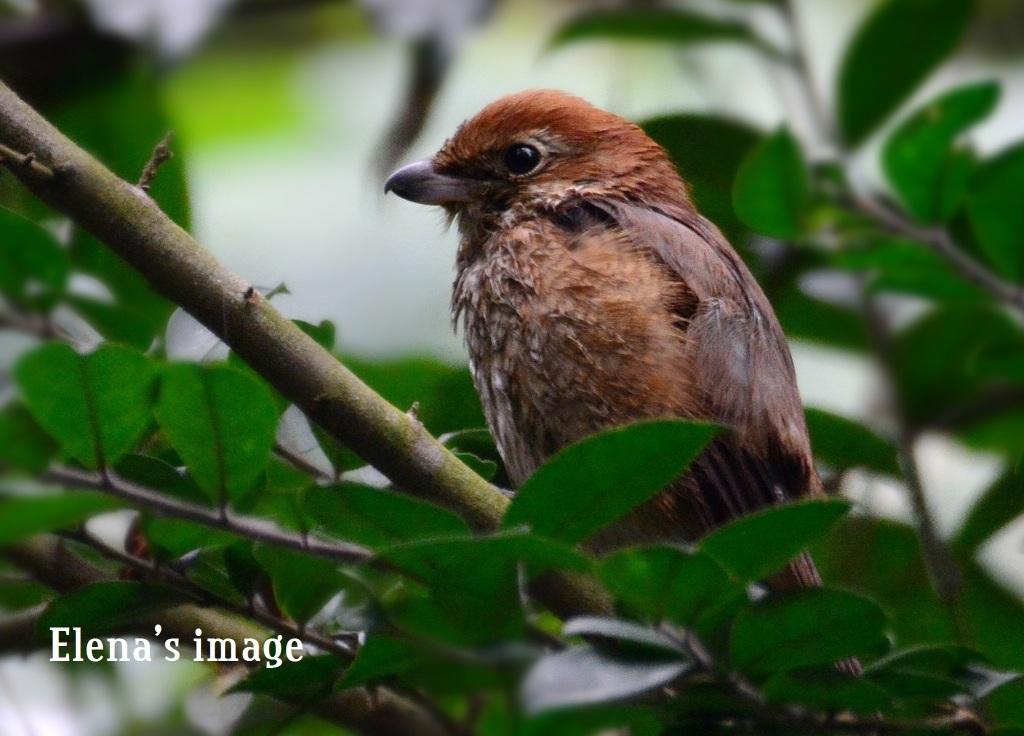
(522, 158)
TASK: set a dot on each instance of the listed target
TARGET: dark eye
(522, 158)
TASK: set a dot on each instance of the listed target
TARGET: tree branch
(939, 240)
(381, 713)
(133, 226)
(161, 154)
(259, 530)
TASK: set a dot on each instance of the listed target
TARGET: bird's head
(535, 150)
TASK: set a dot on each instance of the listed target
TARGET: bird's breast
(566, 338)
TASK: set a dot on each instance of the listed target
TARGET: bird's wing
(742, 368)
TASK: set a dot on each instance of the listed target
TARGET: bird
(592, 293)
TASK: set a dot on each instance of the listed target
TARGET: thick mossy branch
(133, 226)
(381, 713)
(123, 217)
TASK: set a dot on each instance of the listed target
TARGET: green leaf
(1000, 504)
(23, 516)
(222, 423)
(651, 25)
(311, 678)
(995, 214)
(324, 333)
(919, 158)
(594, 482)
(96, 406)
(106, 607)
(114, 322)
(174, 538)
(906, 267)
(884, 559)
(939, 359)
(708, 151)
(381, 656)
(23, 444)
(761, 543)
(666, 583)
(154, 473)
(826, 689)
(812, 627)
(30, 258)
(585, 675)
(843, 443)
(934, 672)
(1005, 704)
(377, 518)
(444, 394)
(621, 631)
(920, 34)
(473, 583)
(302, 584)
(119, 100)
(595, 719)
(772, 192)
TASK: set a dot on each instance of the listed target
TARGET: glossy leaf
(114, 322)
(106, 607)
(812, 627)
(1005, 704)
(1000, 504)
(472, 583)
(938, 358)
(652, 25)
(585, 675)
(771, 192)
(444, 395)
(906, 267)
(843, 443)
(622, 632)
(377, 518)
(763, 542)
(708, 150)
(23, 443)
(30, 258)
(96, 406)
(870, 91)
(302, 584)
(221, 422)
(592, 483)
(826, 689)
(23, 516)
(300, 682)
(381, 656)
(666, 582)
(995, 213)
(919, 159)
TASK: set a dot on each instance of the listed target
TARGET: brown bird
(593, 293)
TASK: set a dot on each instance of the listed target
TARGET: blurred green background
(286, 116)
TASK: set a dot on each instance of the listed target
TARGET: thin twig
(162, 153)
(939, 240)
(942, 568)
(182, 584)
(249, 527)
(29, 325)
(801, 720)
(25, 162)
(300, 463)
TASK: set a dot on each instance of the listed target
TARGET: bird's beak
(420, 182)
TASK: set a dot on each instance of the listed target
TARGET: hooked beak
(420, 182)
